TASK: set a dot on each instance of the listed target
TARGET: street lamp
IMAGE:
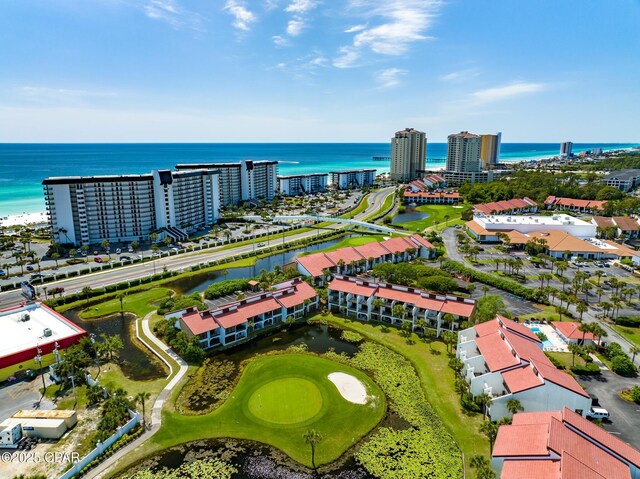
(56, 352)
(38, 359)
(73, 385)
(92, 337)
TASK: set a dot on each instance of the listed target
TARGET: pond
(200, 282)
(254, 460)
(136, 361)
(412, 214)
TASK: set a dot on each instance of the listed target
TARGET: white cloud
(390, 77)
(280, 41)
(394, 24)
(490, 95)
(460, 76)
(295, 27)
(301, 6)
(348, 58)
(172, 13)
(243, 17)
(355, 28)
(38, 93)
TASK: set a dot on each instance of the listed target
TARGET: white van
(598, 413)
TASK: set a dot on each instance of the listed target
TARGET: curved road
(180, 262)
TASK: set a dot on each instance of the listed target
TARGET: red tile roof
(373, 250)
(496, 352)
(421, 241)
(531, 470)
(523, 440)
(246, 311)
(626, 223)
(521, 379)
(346, 286)
(518, 328)
(199, 323)
(430, 194)
(297, 295)
(488, 327)
(458, 308)
(315, 263)
(398, 244)
(347, 255)
(504, 206)
(575, 203)
(550, 373)
(570, 330)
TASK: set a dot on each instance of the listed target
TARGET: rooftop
(510, 220)
(19, 334)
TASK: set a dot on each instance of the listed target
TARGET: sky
(318, 70)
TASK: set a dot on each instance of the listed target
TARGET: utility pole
(38, 359)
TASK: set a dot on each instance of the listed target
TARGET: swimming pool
(546, 343)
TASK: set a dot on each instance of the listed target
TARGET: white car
(260, 245)
(598, 413)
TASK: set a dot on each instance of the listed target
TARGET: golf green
(278, 399)
(271, 402)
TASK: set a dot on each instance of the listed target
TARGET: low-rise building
(431, 197)
(366, 301)
(346, 179)
(504, 359)
(507, 207)
(231, 323)
(624, 180)
(427, 183)
(309, 184)
(560, 444)
(622, 225)
(574, 204)
(31, 331)
(570, 334)
(353, 260)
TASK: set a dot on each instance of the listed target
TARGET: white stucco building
(504, 359)
(308, 184)
(345, 179)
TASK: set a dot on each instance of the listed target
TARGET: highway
(180, 262)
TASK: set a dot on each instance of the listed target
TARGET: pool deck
(556, 342)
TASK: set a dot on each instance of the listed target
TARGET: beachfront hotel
(294, 185)
(242, 181)
(464, 160)
(120, 208)
(566, 149)
(345, 179)
(490, 150)
(408, 154)
(505, 360)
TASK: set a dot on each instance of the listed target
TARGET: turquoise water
(24, 166)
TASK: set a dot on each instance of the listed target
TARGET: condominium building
(230, 324)
(624, 180)
(490, 150)
(243, 181)
(345, 179)
(504, 360)
(88, 210)
(302, 184)
(408, 154)
(566, 148)
(463, 152)
(366, 300)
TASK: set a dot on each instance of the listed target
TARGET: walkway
(332, 219)
(106, 467)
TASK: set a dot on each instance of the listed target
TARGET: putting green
(277, 400)
(272, 403)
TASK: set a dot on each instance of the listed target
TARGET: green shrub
(589, 368)
(217, 290)
(623, 366)
(631, 321)
(635, 394)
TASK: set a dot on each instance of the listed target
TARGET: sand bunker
(350, 387)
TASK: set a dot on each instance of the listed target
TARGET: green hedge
(589, 368)
(497, 282)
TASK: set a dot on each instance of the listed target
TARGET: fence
(101, 447)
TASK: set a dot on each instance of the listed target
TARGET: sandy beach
(24, 219)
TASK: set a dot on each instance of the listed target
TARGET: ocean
(24, 166)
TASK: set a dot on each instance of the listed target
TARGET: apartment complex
(574, 204)
(566, 149)
(463, 152)
(504, 359)
(244, 181)
(507, 207)
(231, 323)
(90, 209)
(431, 197)
(561, 444)
(294, 185)
(621, 225)
(353, 260)
(490, 150)
(366, 301)
(346, 179)
(408, 154)
(624, 180)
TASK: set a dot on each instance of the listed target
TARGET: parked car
(98, 259)
(35, 276)
(2, 272)
(594, 400)
(84, 253)
(155, 254)
(260, 245)
(118, 251)
(125, 258)
(598, 413)
(29, 268)
(96, 253)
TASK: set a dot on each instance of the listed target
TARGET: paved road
(105, 468)
(22, 395)
(177, 263)
(625, 417)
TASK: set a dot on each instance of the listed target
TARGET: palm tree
(483, 467)
(598, 332)
(120, 297)
(461, 386)
(86, 291)
(561, 266)
(483, 400)
(574, 349)
(584, 328)
(598, 274)
(485, 290)
(581, 308)
(312, 437)
(341, 264)
(55, 257)
(141, 397)
(399, 311)
(105, 247)
(634, 350)
(599, 292)
(421, 324)
(513, 406)
(490, 430)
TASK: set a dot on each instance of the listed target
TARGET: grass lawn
(139, 304)
(630, 334)
(437, 215)
(355, 241)
(277, 400)
(364, 204)
(566, 359)
(437, 381)
(111, 377)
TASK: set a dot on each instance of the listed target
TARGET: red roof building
(568, 330)
(574, 204)
(359, 298)
(561, 445)
(504, 359)
(431, 197)
(514, 206)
